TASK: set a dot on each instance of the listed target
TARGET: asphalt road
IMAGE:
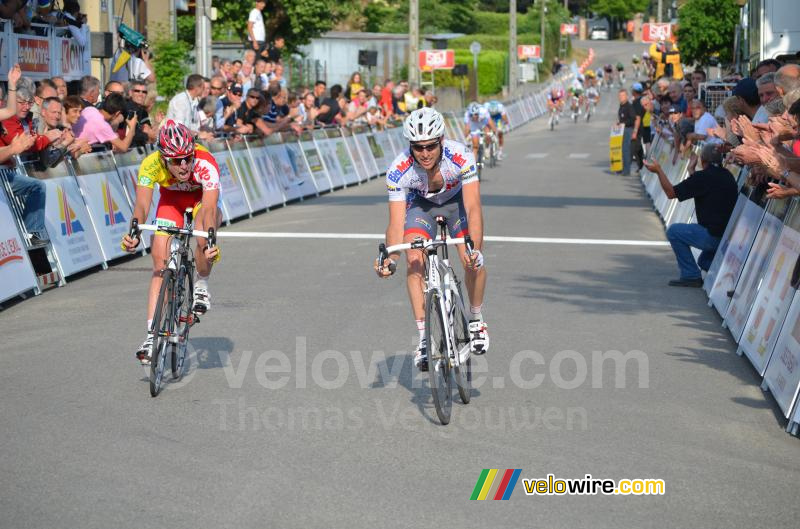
(301, 407)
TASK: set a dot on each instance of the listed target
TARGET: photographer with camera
(137, 97)
(97, 125)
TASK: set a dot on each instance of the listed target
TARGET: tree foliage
(621, 9)
(706, 28)
(171, 62)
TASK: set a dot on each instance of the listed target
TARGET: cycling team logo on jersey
(69, 221)
(113, 215)
(455, 157)
(496, 484)
(400, 169)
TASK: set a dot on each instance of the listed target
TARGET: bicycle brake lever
(134, 230)
(212, 238)
(469, 244)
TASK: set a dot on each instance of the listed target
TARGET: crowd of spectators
(756, 125)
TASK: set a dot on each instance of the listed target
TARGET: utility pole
(544, 10)
(513, 68)
(658, 18)
(413, 42)
(202, 47)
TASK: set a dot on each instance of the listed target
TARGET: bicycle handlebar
(424, 244)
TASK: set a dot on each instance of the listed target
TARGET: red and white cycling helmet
(175, 140)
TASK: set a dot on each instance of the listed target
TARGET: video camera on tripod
(133, 41)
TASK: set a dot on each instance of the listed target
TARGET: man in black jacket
(714, 191)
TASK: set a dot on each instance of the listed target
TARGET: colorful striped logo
(496, 484)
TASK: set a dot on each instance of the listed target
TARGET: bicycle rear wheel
(163, 325)
(438, 357)
(462, 367)
(184, 302)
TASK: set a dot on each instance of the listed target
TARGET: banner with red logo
(569, 29)
(437, 60)
(533, 51)
(73, 59)
(656, 32)
(33, 56)
(16, 272)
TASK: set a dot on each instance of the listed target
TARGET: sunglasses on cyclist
(430, 147)
(180, 161)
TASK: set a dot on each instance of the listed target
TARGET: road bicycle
(493, 146)
(553, 121)
(575, 108)
(591, 106)
(174, 315)
(446, 324)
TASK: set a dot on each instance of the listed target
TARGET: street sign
(437, 60)
(475, 47)
(656, 32)
(569, 29)
(529, 51)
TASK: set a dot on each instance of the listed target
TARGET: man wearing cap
(225, 117)
(637, 150)
(714, 191)
(626, 118)
(747, 91)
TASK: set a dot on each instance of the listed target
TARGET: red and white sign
(74, 61)
(526, 51)
(656, 32)
(33, 55)
(16, 272)
(569, 29)
(437, 60)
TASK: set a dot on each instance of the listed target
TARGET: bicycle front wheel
(163, 325)
(438, 357)
(462, 368)
(185, 320)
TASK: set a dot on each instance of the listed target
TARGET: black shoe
(696, 282)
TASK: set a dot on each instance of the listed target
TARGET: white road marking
(488, 238)
(536, 155)
(579, 155)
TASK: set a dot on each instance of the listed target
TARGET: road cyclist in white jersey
(435, 177)
(477, 121)
(497, 113)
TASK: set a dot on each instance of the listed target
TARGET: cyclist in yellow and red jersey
(188, 177)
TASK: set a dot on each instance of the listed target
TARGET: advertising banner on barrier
(382, 138)
(366, 142)
(315, 163)
(72, 236)
(254, 186)
(16, 272)
(284, 170)
(33, 56)
(359, 165)
(128, 169)
(327, 149)
(346, 162)
(105, 199)
(378, 154)
(740, 242)
(300, 167)
(755, 268)
(773, 299)
(399, 143)
(724, 243)
(73, 60)
(234, 201)
(264, 171)
(782, 375)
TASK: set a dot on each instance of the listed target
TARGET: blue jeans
(33, 194)
(626, 151)
(683, 237)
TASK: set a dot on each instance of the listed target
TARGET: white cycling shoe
(145, 351)
(479, 333)
(202, 300)
(421, 356)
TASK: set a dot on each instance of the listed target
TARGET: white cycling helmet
(474, 108)
(423, 124)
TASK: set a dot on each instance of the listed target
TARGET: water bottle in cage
(174, 246)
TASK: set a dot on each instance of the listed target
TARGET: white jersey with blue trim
(495, 108)
(477, 124)
(406, 179)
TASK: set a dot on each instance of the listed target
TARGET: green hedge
(491, 72)
(491, 23)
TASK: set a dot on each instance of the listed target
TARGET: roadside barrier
(753, 279)
(89, 201)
